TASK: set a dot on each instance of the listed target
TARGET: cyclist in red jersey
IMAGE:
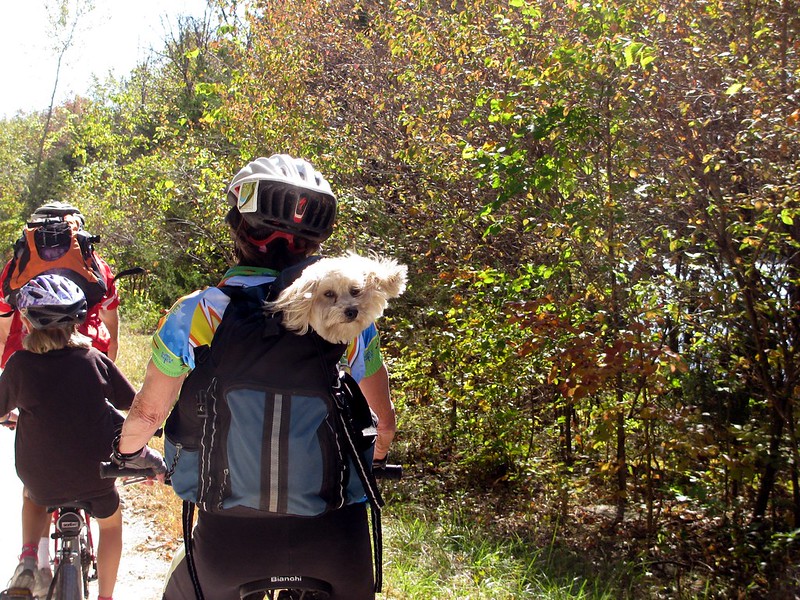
(101, 327)
(101, 324)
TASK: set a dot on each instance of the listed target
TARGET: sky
(112, 38)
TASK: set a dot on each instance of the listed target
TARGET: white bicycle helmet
(51, 300)
(286, 194)
(56, 209)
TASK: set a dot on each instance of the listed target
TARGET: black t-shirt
(66, 420)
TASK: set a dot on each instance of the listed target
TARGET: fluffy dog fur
(339, 297)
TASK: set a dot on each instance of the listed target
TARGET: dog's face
(340, 297)
(342, 304)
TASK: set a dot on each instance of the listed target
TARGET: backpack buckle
(202, 404)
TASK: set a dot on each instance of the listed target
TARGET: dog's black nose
(351, 313)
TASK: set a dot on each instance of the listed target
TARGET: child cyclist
(67, 394)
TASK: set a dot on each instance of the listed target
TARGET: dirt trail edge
(145, 554)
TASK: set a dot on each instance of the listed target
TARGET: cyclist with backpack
(101, 325)
(67, 394)
(102, 319)
(281, 210)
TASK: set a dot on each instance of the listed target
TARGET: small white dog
(339, 297)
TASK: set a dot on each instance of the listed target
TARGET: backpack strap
(187, 517)
(253, 298)
(377, 541)
(253, 294)
(349, 398)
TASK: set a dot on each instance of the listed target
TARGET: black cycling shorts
(231, 551)
(100, 507)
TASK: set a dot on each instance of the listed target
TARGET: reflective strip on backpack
(207, 443)
(275, 454)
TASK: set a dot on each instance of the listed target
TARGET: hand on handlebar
(144, 459)
(382, 470)
(9, 421)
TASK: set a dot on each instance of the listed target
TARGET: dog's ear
(295, 303)
(389, 277)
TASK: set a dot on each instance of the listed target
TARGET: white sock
(44, 553)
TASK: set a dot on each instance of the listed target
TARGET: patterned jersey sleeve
(190, 323)
(363, 356)
(372, 350)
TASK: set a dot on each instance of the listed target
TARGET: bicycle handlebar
(109, 470)
(393, 472)
(130, 272)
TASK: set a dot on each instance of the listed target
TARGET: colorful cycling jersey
(193, 320)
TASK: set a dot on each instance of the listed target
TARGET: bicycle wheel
(70, 582)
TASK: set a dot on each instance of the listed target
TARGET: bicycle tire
(86, 564)
(70, 582)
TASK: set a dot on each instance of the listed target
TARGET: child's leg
(35, 521)
(109, 552)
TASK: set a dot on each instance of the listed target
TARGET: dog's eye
(355, 292)
(330, 294)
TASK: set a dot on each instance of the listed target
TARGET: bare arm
(5, 328)
(9, 420)
(150, 408)
(376, 390)
(110, 319)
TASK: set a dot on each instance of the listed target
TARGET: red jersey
(92, 327)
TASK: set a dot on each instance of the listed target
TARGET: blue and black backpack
(268, 422)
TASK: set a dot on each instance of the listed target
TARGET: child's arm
(9, 418)
(122, 391)
(5, 328)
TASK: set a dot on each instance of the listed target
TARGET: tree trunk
(568, 410)
(622, 460)
(770, 471)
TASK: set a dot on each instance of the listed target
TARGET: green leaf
(733, 89)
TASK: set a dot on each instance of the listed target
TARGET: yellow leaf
(733, 89)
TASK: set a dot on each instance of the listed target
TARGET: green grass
(445, 554)
(134, 352)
